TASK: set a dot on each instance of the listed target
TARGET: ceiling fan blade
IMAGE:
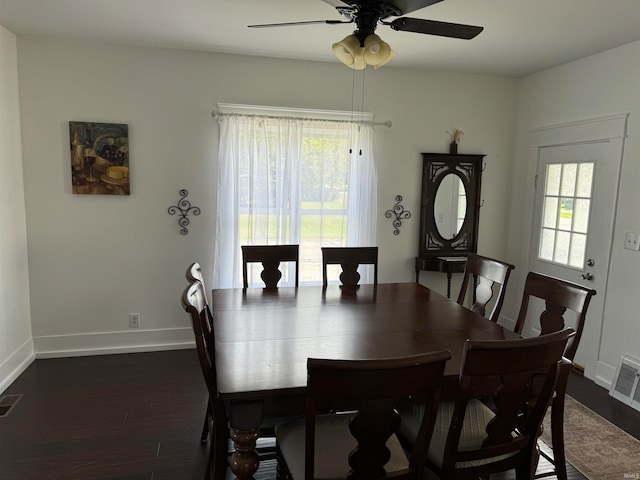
(432, 27)
(408, 6)
(338, 3)
(289, 24)
(405, 6)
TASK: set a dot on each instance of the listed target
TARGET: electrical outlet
(632, 241)
(134, 320)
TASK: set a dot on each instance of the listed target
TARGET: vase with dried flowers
(453, 146)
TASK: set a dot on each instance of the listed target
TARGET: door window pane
(578, 248)
(547, 240)
(581, 215)
(550, 212)
(561, 253)
(585, 180)
(553, 179)
(569, 171)
(566, 213)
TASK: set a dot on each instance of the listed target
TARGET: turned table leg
(244, 461)
(245, 419)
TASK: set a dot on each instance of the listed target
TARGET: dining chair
(485, 273)
(194, 302)
(270, 256)
(194, 274)
(349, 258)
(361, 443)
(472, 441)
(559, 296)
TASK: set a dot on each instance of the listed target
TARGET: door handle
(587, 276)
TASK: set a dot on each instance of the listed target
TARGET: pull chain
(353, 95)
(361, 109)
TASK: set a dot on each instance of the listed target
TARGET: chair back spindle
(349, 258)
(485, 274)
(270, 256)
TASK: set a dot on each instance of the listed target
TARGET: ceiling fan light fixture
(377, 52)
(392, 53)
(374, 51)
(349, 51)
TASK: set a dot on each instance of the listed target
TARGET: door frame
(611, 129)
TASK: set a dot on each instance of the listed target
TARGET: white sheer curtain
(285, 180)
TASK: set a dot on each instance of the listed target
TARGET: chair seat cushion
(334, 442)
(473, 430)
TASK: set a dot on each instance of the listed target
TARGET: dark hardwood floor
(139, 416)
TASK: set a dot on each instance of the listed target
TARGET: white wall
(95, 259)
(16, 348)
(600, 85)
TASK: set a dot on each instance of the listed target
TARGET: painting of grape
(99, 158)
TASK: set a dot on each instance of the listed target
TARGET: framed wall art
(99, 158)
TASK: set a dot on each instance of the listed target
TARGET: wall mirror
(449, 211)
(450, 206)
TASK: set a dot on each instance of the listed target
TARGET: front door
(575, 202)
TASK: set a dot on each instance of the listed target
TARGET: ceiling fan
(364, 47)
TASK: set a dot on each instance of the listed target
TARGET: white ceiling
(520, 36)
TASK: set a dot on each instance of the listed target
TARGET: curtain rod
(216, 114)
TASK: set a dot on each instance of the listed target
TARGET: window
(565, 216)
(287, 179)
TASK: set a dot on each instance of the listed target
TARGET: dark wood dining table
(264, 338)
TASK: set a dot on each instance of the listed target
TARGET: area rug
(596, 447)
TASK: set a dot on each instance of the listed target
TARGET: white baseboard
(15, 364)
(106, 343)
(605, 375)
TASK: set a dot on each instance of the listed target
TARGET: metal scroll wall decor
(183, 209)
(398, 213)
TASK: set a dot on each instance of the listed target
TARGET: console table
(448, 265)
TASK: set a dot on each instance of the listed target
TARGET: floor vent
(7, 403)
(626, 386)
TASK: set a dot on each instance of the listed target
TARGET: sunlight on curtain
(292, 181)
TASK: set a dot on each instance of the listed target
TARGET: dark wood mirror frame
(436, 253)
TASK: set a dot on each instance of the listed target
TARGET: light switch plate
(632, 241)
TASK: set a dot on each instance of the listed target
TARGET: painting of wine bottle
(99, 158)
